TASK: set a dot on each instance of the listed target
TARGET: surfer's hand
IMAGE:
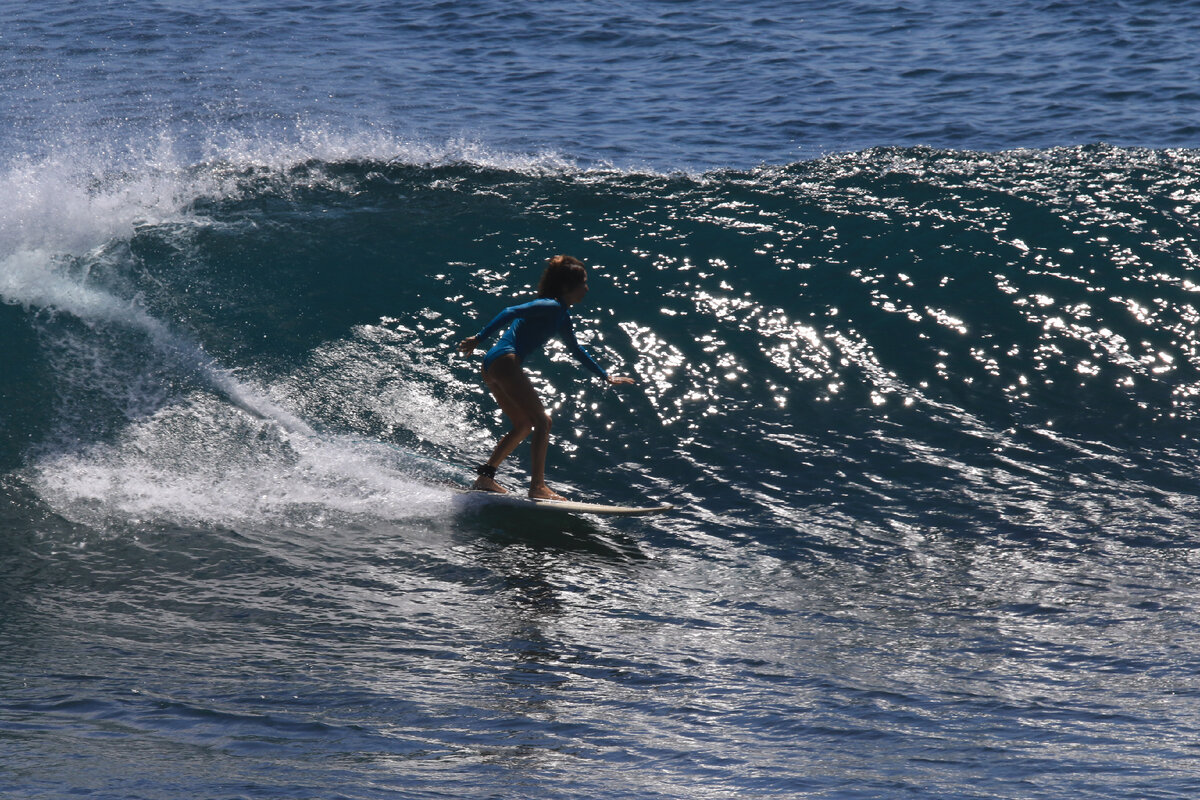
(619, 380)
(467, 346)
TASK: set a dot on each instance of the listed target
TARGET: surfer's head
(564, 279)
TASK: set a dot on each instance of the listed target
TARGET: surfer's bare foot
(487, 484)
(544, 492)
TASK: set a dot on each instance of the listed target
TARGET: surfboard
(565, 506)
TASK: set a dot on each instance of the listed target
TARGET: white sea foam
(199, 462)
(235, 451)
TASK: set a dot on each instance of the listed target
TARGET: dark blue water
(664, 83)
(910, 291)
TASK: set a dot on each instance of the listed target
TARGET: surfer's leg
(519, 400)
(495, 378)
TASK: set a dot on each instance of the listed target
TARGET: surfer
(563, 284)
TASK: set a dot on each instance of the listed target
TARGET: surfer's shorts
(502, 348)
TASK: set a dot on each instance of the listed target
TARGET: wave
(863, 329)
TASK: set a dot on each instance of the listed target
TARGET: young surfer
(530, 326)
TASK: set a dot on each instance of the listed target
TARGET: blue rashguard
(533, 324)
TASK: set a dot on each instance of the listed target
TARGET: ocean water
(910, 293)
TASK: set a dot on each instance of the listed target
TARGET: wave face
(908, 334)
(929, 418)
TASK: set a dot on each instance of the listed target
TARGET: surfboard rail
(567, 506)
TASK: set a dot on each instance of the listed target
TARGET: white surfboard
(565, 506)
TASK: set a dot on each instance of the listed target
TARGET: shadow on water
(545, 529)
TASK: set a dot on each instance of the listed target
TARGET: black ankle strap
(486, 471)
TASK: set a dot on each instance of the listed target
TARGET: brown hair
(562, 274)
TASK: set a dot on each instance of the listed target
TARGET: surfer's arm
(468, 345)
(501, 320)
(582, 356)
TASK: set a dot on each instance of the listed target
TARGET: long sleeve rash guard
(532, 325)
